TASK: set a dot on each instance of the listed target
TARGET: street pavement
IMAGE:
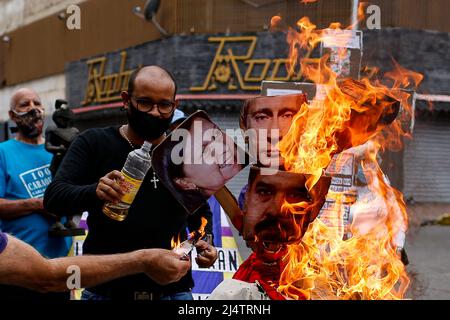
(428, 250)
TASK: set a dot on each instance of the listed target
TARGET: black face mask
(146, 126)
(27, 123)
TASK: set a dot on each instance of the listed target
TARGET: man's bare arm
(22, 265)
(11, 209)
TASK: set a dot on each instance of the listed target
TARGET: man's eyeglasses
(146, 105)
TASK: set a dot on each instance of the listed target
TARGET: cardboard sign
(278, 88)
(228, 259)
(336, 212)
(344, 48)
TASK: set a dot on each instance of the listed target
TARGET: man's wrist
(33, 204)
(144, 258)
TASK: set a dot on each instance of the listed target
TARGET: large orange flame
(351, 113)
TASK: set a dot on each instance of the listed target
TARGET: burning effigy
(296, 255)
(297, 205)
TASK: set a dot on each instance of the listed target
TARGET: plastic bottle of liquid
(135, 168)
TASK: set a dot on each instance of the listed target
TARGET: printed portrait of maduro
(278, 209)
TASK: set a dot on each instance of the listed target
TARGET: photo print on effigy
(278, 209)
(196, 160)
(265, 121)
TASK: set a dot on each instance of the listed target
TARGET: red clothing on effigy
(268, 276)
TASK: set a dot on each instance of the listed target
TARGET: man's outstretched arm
(12, 209)
(22, 265)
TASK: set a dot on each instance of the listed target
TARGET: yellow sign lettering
(226, 67)
(103, 88)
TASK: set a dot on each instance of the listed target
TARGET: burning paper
(327, 265)
(184, 248)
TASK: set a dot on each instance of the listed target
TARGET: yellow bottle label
(131, 187)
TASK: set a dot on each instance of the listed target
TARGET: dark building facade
(216, 72)
(220, 51)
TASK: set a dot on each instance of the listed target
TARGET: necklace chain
(123, 134)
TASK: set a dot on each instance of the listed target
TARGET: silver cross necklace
(154, 180)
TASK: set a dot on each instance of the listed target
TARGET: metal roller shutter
(427, 162)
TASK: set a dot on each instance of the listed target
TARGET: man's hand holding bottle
(161, 265)
(108, 188)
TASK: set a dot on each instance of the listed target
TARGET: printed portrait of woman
(196, 160)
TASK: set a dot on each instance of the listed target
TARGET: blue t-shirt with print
(24, 174)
